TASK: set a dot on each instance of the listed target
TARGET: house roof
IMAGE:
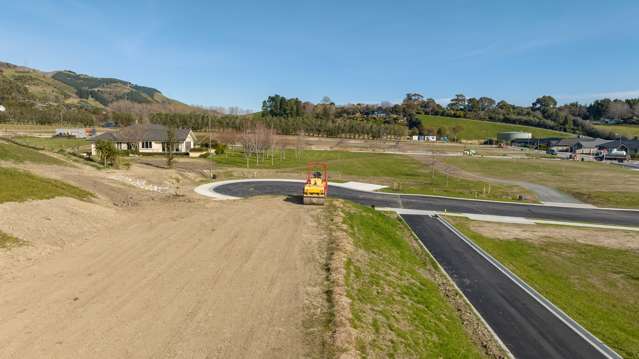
(585, 142)
(629, 144)
(145, 132)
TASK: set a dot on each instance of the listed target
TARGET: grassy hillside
(71, 88)
(629, 131)
(481, 130)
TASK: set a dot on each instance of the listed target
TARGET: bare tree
(171, 142)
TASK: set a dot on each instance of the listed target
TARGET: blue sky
(236, 53)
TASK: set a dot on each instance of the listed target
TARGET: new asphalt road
(527, 327)
(441, 204)
(526, 323)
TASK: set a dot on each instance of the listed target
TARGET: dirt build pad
(191, 279)
(539, 233)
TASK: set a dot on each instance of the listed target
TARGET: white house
(148, 138)
(2, 108)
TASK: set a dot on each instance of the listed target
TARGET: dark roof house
(145, 132)
(148, 138)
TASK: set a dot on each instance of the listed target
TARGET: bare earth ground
(137, 273)
(538, 233)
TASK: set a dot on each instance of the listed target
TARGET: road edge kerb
(213, 185)
(450, 280)
(556, 311)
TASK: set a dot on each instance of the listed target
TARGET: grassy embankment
(629, 131)
(604, 185)
(398, 310)
(596, 285)
(20, 185)
(54, 143)
(481, 130)
(399, 173)
(15, 153)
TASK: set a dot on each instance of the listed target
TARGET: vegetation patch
(398, 310)
(8, 242)
(595, 285)
(18, 186)
(604, 185)
(16, 153)
(630, 131)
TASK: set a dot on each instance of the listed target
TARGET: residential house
(147, 138)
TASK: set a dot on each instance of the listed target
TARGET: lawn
(629, 131)
(400, 173)
(481, 130)
(54, 143)
(15, 153)
(397, 308)
(597, 286)
(18, 186)
(605, 185)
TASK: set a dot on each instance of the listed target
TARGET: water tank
(510, 136)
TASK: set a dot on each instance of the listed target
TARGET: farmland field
(481, 130)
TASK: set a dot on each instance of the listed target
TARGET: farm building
(75, 132)
(536, 143)
(148, 138)
(631, 147)
(508, 137)
(580, 145)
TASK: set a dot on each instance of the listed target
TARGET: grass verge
(604, 185)
(398, 309)
(14, 153)
(18, 186)
(597, 286)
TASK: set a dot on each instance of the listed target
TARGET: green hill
(481, 130)
(629, 131)
(23, 84)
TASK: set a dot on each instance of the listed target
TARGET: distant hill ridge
(19, 83)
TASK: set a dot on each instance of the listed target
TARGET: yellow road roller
(316, 186)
